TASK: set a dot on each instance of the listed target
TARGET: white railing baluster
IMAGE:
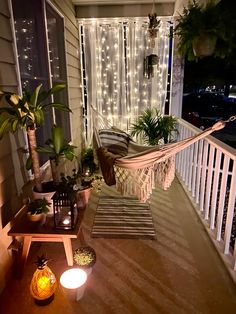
(209, 182)
(234, 266)
(179, 155)
(187, 165)
(203, 175)
(185, 158)
(222, 198)
(182, 155)
(194, 176)
(215, 189)
(230, 210)
(206, 171)
(199, 170)
(190, 174)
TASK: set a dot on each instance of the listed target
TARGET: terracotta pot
(82, 197)
(37, 217)
(204, 45)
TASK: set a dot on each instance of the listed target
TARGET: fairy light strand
(114, 53)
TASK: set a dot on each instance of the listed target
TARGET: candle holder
(65, 210)
(74, 280)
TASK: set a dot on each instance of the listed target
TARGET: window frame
(44, 4)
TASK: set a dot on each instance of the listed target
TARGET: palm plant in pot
(199, 28)
(27, 112)
(154, 127)
(58, 150)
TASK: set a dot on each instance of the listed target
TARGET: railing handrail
(207, 171)
(224, 148)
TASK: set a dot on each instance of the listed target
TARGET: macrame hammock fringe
(145, 168)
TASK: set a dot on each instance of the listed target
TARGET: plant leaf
(14, 125)
(29, 163)
(34, 96)
(56, 88)
(57, 139)
(4, 125)
(45, 149)
(58, 106)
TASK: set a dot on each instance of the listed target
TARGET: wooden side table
(35, 232)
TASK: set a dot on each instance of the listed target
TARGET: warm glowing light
(66, 221)
(44, 284)
(117, 68)
(73, 278)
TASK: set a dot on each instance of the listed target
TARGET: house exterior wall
(12, 170)
(12, 164)
(73, 68)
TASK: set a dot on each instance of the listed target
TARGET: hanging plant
(153, 28)
(201, 30)
(149, 63)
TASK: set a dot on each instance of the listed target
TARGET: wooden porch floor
(180, 272)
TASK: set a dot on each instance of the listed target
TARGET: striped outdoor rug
(123, 217)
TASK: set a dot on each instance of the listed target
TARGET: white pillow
(115, 142)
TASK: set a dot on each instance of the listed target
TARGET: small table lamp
(74, 278)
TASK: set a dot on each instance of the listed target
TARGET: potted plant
(85, 258)
(148, 66)
(87, 161)
(153, 28)
(58, 150)
(37, 209)
(82, 184)
(27, 112)
(154, 127)
(199, 28)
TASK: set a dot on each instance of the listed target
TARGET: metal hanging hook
(232, 118)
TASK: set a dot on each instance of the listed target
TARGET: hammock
(139, 172)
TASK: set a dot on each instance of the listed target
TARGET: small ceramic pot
(37, 217)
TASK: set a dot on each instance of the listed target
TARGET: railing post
(230, 210)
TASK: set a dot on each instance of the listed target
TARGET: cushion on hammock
(106, 161)
(115, 142)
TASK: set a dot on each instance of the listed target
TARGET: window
(41, 54)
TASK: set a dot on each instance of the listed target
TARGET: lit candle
(66, 221)
(44, 285)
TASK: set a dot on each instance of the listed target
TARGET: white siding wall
(73, 67)
(12, 171)
(11, 155)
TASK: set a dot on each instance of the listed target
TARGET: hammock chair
(143, 167)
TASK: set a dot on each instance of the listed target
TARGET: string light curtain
(114, 82)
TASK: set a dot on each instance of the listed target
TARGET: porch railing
(207, 170)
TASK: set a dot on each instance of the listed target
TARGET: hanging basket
(204, 45)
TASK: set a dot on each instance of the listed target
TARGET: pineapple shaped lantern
(43, 283)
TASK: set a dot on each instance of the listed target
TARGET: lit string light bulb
(119, 82)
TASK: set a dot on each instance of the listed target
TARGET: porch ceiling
(111, 2)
